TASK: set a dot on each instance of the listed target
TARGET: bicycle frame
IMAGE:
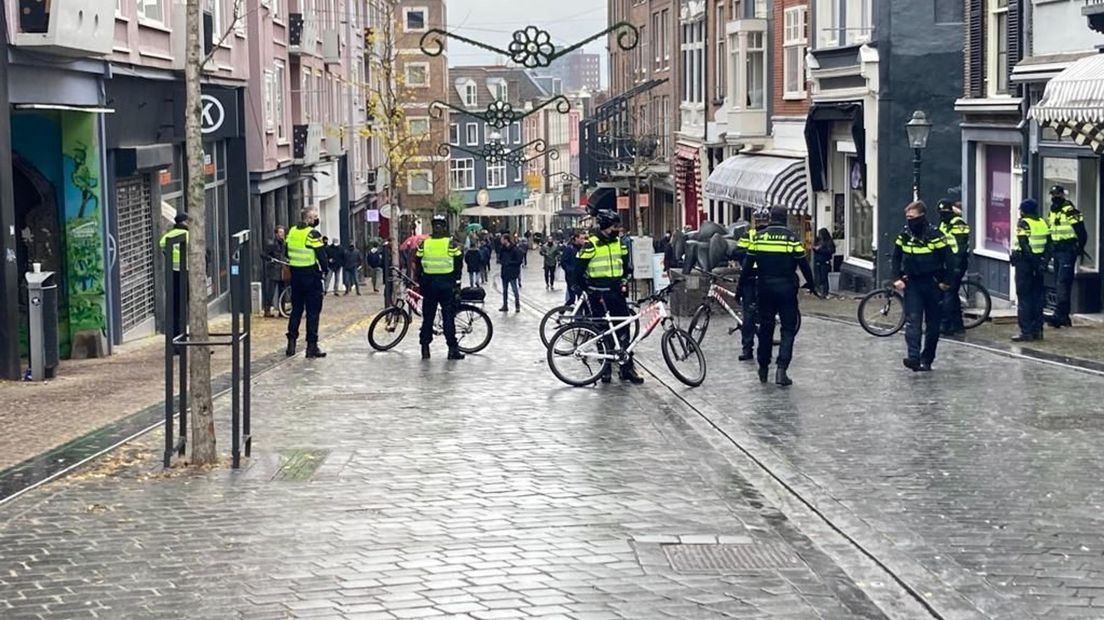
(718, 293)
(651, 316)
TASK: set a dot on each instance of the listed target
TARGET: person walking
(473, 260)
(179, 285)
(569, 264)
(510, 259)
(306, 255)
(440, 266)
(772, 256)
(1068, 237)
(351, 268)
(485, 256)
(923, 265)
(275, 257)
(603, 266)
(551, 254)
(335, 258)
(1030, 258)
(387, 266)
(374, 261)
(748, 291)
(957, 232)
(824, 249)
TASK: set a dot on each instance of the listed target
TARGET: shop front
(688, 184)
(743, 183)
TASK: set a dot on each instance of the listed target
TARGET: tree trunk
(199, 361)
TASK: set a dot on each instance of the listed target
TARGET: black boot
(628, 373)
(607, 373)
(746, 355)
(763, 370)
(781, 378)
(455, 354)
(425, 351)
(314, 352)
(911, 363)
(290, 347)
(503, 308)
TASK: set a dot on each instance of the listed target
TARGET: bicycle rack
(238, 339)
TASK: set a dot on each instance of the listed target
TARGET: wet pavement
(383, 486)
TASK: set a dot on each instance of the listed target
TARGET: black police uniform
(773, 255)
(924, 261)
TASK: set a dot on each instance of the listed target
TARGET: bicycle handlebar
(715, 276)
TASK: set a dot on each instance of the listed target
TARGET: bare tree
(632, 146)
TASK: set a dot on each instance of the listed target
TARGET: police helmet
(180, 218)
(1057, 190)
(606, 218)
(440, 222)
(762, 214)
(946, 205)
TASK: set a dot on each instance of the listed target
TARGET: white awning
(481, 212)
(760, 181)
(1074, 95)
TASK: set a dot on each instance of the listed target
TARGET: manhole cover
(300, 465)
(716, 557)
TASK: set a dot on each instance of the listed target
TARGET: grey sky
(493, 22)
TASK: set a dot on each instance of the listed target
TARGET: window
(693, 43)
(666, 25)
(755, 72)
(793, 51)
(419, 182)
(471, 98)
(214, 7)
(415, 19)
(995, 198)
(502, 91)
(454, 133)
(719, 87)
(417, 126)
(278, 105)
(496, 176)
(997, 35)
(517, 174)
(844, 22)
(515, 133)
(152, 10)
(417, 74)
(657, 39)
(462, 174)
(471, 131)
(269, 101)
(277, 14)
(1079, 177)
(760, 9)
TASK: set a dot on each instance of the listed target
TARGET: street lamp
(918, 128)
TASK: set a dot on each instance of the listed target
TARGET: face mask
(917, 225)
(946, 216)
(316, 222)
(1056, 202)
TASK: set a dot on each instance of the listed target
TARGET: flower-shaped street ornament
(532, 47)
(499, 114)
(495, 152)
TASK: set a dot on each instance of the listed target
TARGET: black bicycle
(882, 311)
(473, 327)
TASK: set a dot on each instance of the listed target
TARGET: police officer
(770, 261)
(924, 265)
(1068, 237)
(306, 257)
(440, 261)
(1030, 256)
(601, 268)
(759, 220)
(179, 286)
(957, 232)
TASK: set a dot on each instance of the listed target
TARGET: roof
(520, 85)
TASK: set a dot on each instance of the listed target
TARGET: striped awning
(1073, 103)
(760, 181)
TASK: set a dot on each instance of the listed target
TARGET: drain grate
(712, 558)
(300, 465)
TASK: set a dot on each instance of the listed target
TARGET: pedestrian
(179, 285)
(473, 260)
(440, 267)
(485, 252)
(1068, 236)
(351, 268)
(602, 269)
(275, 257)
(521, 245)
(374, 260)
(923, 266)
(306, 255)
(570, 265)
(335, 259)
(387, 266)
(509, 260)
(772, 256)
(824, 248)
(749, 289)
(551, 253)
(1030, 257)
(957, 232)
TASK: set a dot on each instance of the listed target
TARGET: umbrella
(412, 241)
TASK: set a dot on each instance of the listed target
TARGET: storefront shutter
(1015, 44)
(135, 250)
(975, 48)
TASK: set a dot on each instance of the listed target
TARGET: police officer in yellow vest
(602, 267)
(179, 286)
(1029, 257)
(440, 261)
(759, 221)
(957, 233)
(773, 255)
(306, 255)
(1068, 236)
(923, 265)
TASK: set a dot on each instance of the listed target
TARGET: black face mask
(316, 222)
(917, 225)
(1056, 202)
(946, 216)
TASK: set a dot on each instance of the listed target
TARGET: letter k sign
(213, 114)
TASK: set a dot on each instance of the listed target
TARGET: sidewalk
(87, 395)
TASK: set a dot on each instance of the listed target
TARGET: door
(136, 241)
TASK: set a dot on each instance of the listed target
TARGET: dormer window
(502, 91)
(471, 98)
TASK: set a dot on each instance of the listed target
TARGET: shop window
(860, 215)
(995, 199)
(1080, 178)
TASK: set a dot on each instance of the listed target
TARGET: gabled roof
(520, 86)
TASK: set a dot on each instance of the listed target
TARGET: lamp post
(918, 128)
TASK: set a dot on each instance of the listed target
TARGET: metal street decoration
(531, 47)
(495, 152)
(499, 114)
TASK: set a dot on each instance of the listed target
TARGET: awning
(760, 181)
(571, 212)
(481, 212)
(1073, 103)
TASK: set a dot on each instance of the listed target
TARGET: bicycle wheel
(473, 329)
(683, 356)
(976, 304)
(571, 354)
(699, 323)
(284, 303)
(388, 328)
(882, 312)
(553, 320)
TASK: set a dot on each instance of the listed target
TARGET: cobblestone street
(383, 486)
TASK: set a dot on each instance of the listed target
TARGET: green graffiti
(84, 180)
